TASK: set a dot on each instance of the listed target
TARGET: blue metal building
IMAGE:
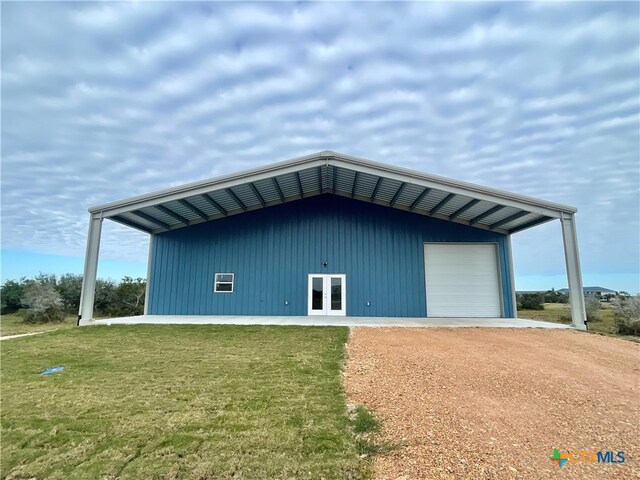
(331, 234)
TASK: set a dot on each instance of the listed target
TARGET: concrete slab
(329, 321)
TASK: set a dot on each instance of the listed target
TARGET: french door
(327, 294)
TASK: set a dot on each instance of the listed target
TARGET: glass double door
(327, 294)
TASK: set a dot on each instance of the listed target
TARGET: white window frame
(216, 282)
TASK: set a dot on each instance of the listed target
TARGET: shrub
(12, 293)
(105, 296)
(553, 296)
(531, 301)
(129, 297)
(627, 315)
(69, 287)
(48, 278)
(112, 299)
(45, 304)
(592, 308)
(627, 327)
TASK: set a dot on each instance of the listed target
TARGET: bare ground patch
(494, 403)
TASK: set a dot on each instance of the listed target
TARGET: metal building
(332, 234)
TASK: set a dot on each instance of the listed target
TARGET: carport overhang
(342, 175)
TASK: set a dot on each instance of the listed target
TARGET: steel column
(147, 287)
(512, 277)
(88, 293)
(574, 276)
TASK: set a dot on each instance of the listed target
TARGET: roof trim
(191, 188)
(458, 184)
(327, 163)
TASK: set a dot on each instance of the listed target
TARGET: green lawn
(204, 402)
(13, 324)
(554, 312)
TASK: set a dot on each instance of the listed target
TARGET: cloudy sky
(105, 101)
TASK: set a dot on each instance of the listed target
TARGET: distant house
(592, 291)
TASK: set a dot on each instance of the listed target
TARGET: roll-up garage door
(462, 280)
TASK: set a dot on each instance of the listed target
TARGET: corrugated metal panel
(201, 204)
(267, 189)
(431, 200)
(476, 210)
(328, 177)
(311, 180)
(271, 251)
(344, 180)
(140, 221)
(387, 189)
(224, 200)
(327, 171)
(521, 221)
(409, 195)
(289, 185)
(366, 184)
(453, 205)
(499, 215)
(246, 195)
(425, 200)
(180, 209)
(163, 217)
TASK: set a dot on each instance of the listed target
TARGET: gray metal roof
(338, 174)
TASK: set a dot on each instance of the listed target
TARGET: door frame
(326, 290)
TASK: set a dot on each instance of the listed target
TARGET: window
(223, 283)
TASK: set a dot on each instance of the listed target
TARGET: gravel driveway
(494, 403)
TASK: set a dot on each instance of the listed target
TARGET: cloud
(104, 101)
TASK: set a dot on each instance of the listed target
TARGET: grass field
(553, 312)
(14, 324)
(175, 402)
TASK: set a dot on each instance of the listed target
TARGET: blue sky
(102, 101)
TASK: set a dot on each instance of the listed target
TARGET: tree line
(47, 298)
(626, 307)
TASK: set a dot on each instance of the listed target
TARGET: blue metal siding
(272, 251)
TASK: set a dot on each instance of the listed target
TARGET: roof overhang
(339, 174)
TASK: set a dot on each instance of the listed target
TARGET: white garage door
(462, 280)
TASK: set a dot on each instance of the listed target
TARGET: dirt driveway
(494, 403)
